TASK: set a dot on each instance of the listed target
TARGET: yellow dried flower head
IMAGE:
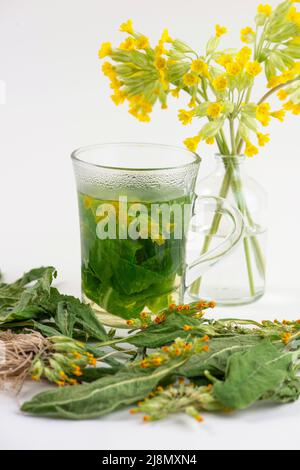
(105, 50)
(220, 83)
(127, 27)
(253, 68)
(247, 35)
(200, 67)
(263, 139)
(192, 143)
(220, 30)
(190, 79)
(214, 110)
(264, 9)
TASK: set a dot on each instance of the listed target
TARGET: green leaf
(71, 313)
(28, 302)
(216, 358)
(252, 374)
(102, 396)
(287, 392)
(159, 335)
(65, 319)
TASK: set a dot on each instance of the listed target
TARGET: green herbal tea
(133, 257)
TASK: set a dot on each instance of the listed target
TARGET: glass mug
(136, 207)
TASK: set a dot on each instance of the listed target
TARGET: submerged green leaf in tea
(128, 268)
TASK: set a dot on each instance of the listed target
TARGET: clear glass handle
(211, 255)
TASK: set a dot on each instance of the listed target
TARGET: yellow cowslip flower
(287, 75)
(264, 9)
(159, 50)
(143, 117)
(263, 139)
(192, 103)
(127, 27)
(288, 106)
(294, 16)
(115, 84)
(210, 140)
(128, 45)
(282, 95)
(165, 37)
(243, 56)
(224, 60)
(263, 113)
(160, 63)
(250, 149)
(190, 79)
(87, 202)
(214, 110)
(175, 92)
(233, 69)
(220, 30)
(253, 68)
(296, 109)
(295, 41)
(142, 42)
(109, 70)
(200, 67)
(105, 50)
(139, 108)
(296, 67)
(280, 115)
(187, 327)
(192, 143)
(274, 81)
(220, 83)
(185, 117)
(118, 97)
(247, 35)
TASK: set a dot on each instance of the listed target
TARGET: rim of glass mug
(78, 155)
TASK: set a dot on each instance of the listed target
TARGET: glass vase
(240, 277)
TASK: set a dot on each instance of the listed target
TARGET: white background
(58, 100)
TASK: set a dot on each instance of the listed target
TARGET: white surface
(57, 100)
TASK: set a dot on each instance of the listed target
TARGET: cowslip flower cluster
(218, 83)
(194, 310)
(182, 396)
(180, 348)
(63, 362)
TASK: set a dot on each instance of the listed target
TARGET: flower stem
(277, 88)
